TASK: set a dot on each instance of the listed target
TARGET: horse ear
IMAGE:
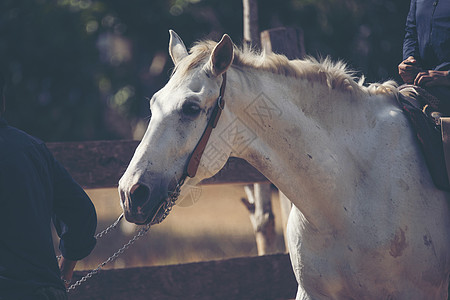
(222, 56)
(177, 49)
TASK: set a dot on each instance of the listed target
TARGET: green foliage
(82, 69)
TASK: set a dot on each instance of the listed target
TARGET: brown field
(217, 226)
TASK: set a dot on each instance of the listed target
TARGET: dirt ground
(217, 226)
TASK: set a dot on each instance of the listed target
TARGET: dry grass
(216, 227)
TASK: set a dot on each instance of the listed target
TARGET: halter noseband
(196, 156)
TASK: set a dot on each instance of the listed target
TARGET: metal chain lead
(167, 207)
(104, 231)
(140, 233)
(109, 228)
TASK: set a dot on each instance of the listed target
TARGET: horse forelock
(334, 75)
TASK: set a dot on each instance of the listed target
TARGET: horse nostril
(139, 194)
(122, 196)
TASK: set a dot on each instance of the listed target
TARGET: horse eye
(191, 109)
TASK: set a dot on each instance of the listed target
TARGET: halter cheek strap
(196, 156)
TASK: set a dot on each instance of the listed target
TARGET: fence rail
(261, 277)
(96, 164)
(101, 164)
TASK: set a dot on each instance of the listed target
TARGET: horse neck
(299, 138)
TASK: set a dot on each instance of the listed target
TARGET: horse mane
(335, 75)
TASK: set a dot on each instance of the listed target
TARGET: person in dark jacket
(425, 71)
(34, 191)
(426, 47)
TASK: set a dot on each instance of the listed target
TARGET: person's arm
(67, 266)
(408, 70)
(409, 67)
(74, 218)
(410, 42)
(433, 78)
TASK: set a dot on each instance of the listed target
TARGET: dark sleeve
(74, 218)
(410, 43)
(443, 67)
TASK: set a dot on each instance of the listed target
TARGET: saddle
(431, 121)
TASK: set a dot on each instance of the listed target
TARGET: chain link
(104, 231)
(109, 228)
(167, 208)
(140, 233)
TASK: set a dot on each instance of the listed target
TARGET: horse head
(180, 112)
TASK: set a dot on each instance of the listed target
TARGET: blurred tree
(366, 34)
(82, 69)
(46, 58)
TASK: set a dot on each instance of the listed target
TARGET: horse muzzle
(141, 203)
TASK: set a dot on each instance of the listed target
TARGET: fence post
(251, 28)
(284, 40)
(259, 203)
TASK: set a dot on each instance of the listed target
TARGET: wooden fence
(98, 164)
(261, 277)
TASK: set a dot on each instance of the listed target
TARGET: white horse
(367, 221)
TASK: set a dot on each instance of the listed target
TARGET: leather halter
(196, 156)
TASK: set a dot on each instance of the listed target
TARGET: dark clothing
(50, 293)
(34, 190)
(428, 133)
(427, 39)
(428, 34)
